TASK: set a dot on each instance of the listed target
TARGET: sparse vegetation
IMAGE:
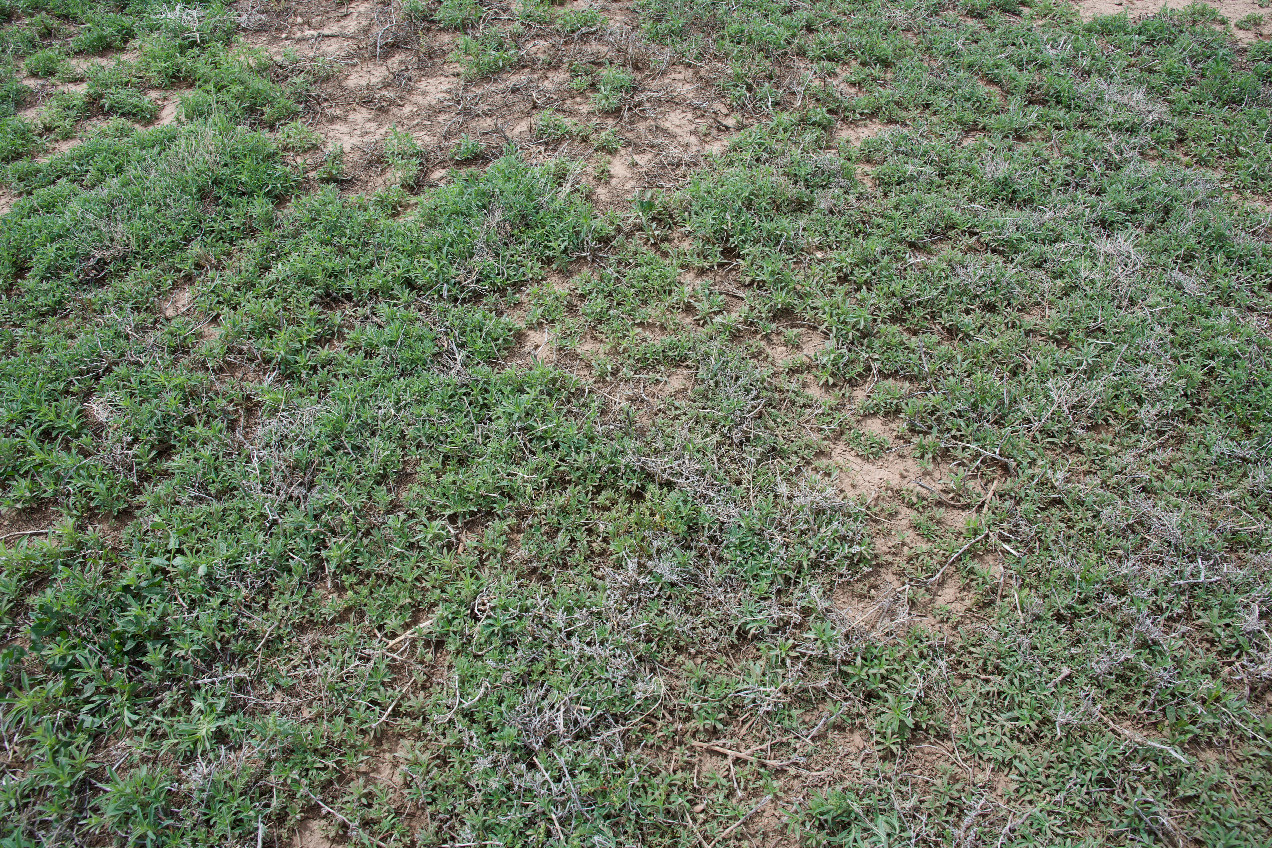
(888, 463)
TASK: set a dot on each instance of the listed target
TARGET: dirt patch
(768, 826)
(875, 606)
(837, 756)
(971, 137)
(179, 300)
(887, 602)
(112, 528)
(884, 428)
(916, 522)
(384, 765)
(389, 72)
(952, 603)
(792, 346)
(869, 478)
(995, 89)
(1232, 10)
(534, 346)
(814, 388)
(624, 180)
(856, 132)
(589, 348)
(864, 176)
(678, 381)
(57, 147)
(30, 523)
(316, 833)
(169, 110)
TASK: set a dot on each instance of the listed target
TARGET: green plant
(534, 11)
(323, 502)
(132, 807)
(296, 137)
(61, 114)
(577, 20)
(404, 156)
(612, 86)
(17, 139)
(46, 63)
(467, 149)
(332, 168)
(485, 55)
(608, 141)
(553, 127)
(458, 14)
(104, 31)
(114, 89)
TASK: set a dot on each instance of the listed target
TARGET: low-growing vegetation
(672, 423)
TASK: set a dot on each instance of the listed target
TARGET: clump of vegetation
(574, 21)
(1249, 22)
(551, 126)
(295, 137)
(458, 14)
(467, 149)
(405, 157)
(46, 63)
(611, 87)
(484, 55)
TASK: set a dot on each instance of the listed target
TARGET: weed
(295, 137)
(458, 14)
(404, 156)
(575, 21)
(484, 55)
(611, 86)
(45, 63)
(17, 139)
(608, 142)
(467, 149)
(552, 127)
(61, 114)
(332, 169)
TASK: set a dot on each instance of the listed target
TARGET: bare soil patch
(390, 73)
(877, 605)
(679, 380)
(315, 832)
(868, 479)
(32, 522)
(858, 131)
(534, 346)
(178, 301)
(807, 341)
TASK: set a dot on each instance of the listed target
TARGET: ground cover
(670, 423)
